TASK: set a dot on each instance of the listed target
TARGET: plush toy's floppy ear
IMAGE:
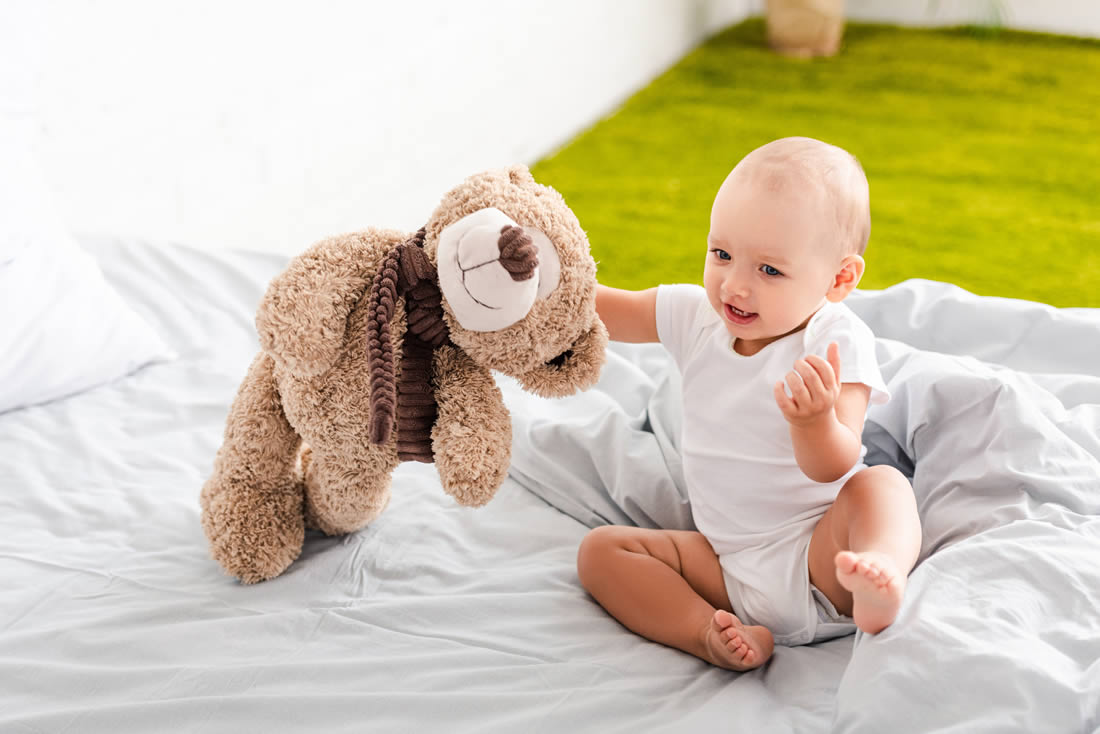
(574, 370)
(303, 315)
(520, 174)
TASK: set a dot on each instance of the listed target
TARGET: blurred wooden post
(805, 27)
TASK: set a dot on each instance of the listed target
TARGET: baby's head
(787, 233)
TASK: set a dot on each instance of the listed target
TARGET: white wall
(268, 124)
(1068, 17)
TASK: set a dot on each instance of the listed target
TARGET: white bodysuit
(748, 495)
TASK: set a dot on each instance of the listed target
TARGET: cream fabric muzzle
(482, 294)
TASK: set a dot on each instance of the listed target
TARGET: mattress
(439, 617)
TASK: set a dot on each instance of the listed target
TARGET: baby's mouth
(738, 316)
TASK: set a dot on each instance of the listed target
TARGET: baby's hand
(815, 387)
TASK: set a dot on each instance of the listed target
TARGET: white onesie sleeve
(835, 322)
(681, 316)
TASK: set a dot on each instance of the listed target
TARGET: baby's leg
(866, 544)
(667, 586)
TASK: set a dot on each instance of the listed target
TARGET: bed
(443, 618)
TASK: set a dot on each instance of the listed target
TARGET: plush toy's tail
(252, 504)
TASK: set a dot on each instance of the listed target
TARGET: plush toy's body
(377, 349)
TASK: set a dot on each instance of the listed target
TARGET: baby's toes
(847, 561)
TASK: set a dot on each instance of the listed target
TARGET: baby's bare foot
(733, 645)
(876, 585)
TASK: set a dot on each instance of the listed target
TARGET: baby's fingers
(799, 393)
(815, 386)
(833, 353)
(824, 371)
(783, 400)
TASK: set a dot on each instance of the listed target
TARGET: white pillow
(63, 329)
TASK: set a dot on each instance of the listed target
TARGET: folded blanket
(610, 455)
(995, 417)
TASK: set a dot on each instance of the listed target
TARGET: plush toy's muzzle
(491, 270)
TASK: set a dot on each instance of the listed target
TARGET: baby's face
(769, 262)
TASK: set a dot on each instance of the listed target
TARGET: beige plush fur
(296, 452)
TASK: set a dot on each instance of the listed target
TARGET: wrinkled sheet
(434, 618)
(438, 617)
(995, 417)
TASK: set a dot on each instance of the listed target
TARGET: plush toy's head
(518, 281)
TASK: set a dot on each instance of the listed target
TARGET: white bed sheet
(436, 617)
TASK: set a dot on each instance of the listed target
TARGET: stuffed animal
(377, 349)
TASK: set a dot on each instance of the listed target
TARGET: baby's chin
(756, 337)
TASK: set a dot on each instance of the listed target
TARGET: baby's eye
(722, 254)
(769, 270)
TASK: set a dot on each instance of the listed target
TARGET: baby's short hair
(833, 170)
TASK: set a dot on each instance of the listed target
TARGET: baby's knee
(596, 550)
(874, 483)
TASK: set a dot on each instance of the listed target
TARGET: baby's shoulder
(836, 322)
(836, 317)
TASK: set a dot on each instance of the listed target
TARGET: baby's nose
(736, 286)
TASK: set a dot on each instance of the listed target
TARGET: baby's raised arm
(825, 416)
(630, 316)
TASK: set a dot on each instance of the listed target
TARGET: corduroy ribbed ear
(383, 384)
(406, 271)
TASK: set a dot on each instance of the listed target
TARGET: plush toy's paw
(473, 473)
(472, 436)
(342, 502)
(253, 534)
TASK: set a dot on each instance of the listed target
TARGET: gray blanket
(995, 417)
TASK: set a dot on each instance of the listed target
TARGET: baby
(797, 537)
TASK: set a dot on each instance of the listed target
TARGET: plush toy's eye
(559, 360)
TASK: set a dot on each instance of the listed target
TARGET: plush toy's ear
(406, 271)
(303, 315)
(577, 368)
(520, 174)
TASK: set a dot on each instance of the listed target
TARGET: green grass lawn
(982, 149)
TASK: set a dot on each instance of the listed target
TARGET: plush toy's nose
(518, 254)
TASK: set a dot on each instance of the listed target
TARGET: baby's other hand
(815, 387)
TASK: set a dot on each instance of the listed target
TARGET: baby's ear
(574, 370)
(846, 278)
